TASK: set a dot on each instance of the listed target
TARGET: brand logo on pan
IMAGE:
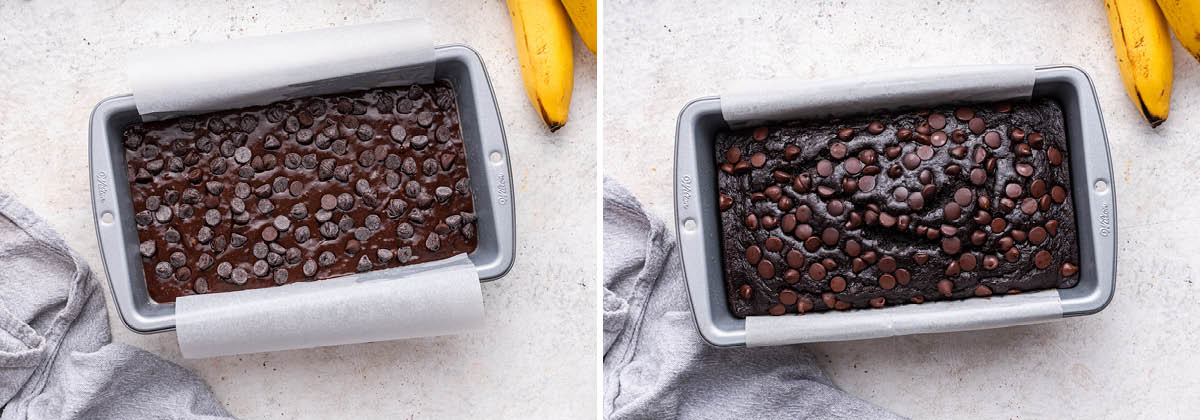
(1105, 220)
(502, 190)
(102, 185)
(685, 190)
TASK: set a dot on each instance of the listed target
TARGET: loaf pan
(487, 163)
(697, 217)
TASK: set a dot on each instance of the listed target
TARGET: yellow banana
(1184, 17)
(1143, 47)
(583, 15)
(543, 34)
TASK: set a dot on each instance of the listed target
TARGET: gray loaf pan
(487, 163)
(699, 231)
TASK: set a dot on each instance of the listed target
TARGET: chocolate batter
(306, 189)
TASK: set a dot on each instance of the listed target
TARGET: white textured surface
(536, 356)
(1134, 360)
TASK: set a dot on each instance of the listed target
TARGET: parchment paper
(943, 316)
(194, 79)
(434, 298)
(751, 102)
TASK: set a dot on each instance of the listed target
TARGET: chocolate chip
(1029, 205)
(998, 225)
(310, 268)
(239, 276)
(845, 133)
(923, 152)
(982, 290)
(788, 297)
(769, 222)
(326, 259)
(1058, 193)
(282, 223)
(1042, 259)
(144, 177)
(953, 170)
(218, 244)
(951, 245)
(837, 150)
(766, 269)
(1013, 190)
(875, 127)
(887, 219)
(338, 147)
(816, 271)
(791, 152)
(992, 139)
(887, 282)
(260, 268)
(280, 277)
(916, 201)
(419, 142)
(1068, 270)
(346, 224)
(365, 133)
(265, 206)
(1036, 140)
(177, 259)
(1052, 227)
(978, 237)
(937, 121)
(345, 201)
(279, 184)
(976, 125)
(432, 242)
(212, 217)
(147, 248)
(329, 230)
(163, 270)
(362, 234)
(830, 236)
(964, 114)
(938, 138)
(1054, 156)
(260, 250)
(417, 217)
(978, 176)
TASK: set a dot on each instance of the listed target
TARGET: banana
(1184, 17)
(583, 15)
(1143, 47)
(543, 34)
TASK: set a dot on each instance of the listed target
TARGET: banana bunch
(543, 34)
(1143, 45)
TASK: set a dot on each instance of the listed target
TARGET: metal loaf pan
(487, 163)
(698, 223)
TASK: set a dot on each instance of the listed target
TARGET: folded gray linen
(656, 365)
(57, 359)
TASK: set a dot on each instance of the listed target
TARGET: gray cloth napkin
(56, 356)
(657, 366)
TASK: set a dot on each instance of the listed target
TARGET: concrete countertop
(1133, 360)
(537, 355)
